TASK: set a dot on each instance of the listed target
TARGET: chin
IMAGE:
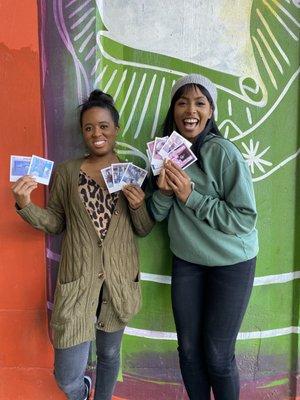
(190, 135)
(99, 152)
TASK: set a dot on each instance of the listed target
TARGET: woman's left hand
(134, 195)
(178, 180)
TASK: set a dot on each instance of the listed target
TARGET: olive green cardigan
(86, 264)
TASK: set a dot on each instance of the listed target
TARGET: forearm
(160, 205)
(45, 219)
(222, 215)
(141, 219)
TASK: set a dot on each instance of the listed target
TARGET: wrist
(20, 204)
(168, 193)
(135, 206)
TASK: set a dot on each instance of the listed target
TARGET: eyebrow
(98, 122)
(195, 98)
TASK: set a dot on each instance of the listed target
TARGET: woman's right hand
(162, 184)
(22, 189)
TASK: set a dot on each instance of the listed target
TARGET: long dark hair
(211, 127)
(97, 98)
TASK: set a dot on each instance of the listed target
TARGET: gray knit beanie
(198, 79)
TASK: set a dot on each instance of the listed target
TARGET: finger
(130, 197)
(133, 202)
(24, 194)
(178, 180)
(133, 192)
(172, 185)
(22, 187)
(174, 172)
(134, 189)
(161, 177)
(23, 180)
(174, 167)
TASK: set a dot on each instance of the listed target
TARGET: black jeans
(208, 305)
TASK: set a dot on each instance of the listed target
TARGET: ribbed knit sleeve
(142, 222)
(52, 218)
(234, 214)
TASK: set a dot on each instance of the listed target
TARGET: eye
(103, 126)
(181, 102)
(88, 129)
(200, 103)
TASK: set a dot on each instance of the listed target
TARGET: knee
(188, 354)
(109, 354)
(220, 360)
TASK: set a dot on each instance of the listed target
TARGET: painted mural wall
(25, 352)
(135, 50)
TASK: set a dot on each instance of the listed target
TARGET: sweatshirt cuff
(194, 201)
(162, 199)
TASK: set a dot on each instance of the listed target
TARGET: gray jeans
(70, 365)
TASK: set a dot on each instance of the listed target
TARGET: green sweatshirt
(216, 225)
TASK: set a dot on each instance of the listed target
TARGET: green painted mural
(135, 50)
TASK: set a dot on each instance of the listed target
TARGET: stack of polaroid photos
(174, 147)
(118, 175)
(38, 167)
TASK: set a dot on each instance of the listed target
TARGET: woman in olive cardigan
(99, 271)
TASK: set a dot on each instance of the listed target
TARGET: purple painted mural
(135, 52)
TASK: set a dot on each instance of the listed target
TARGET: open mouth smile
(190, 122)
(99, 143)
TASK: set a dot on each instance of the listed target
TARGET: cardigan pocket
(67, 301)
(127, 299)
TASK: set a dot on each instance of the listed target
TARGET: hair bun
(98, 95)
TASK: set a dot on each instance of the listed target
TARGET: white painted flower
(254, 158)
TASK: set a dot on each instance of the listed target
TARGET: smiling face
(191, 112)
(99, 131)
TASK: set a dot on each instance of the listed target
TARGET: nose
(191, 109)
(97, 131)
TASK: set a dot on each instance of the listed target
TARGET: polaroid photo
(182, 156)
(118, 170)
(41, 169)
(19, 166)
(157, 160)
(108, 179)
(134, 175)
(174, 141)
(150, 148)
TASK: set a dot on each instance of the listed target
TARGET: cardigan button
(101, 324)
(100, 275)
(99, 243)
(116, 212)
(104, 301)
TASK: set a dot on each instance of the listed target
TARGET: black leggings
(209, 304)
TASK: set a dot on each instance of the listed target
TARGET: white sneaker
(88, 384)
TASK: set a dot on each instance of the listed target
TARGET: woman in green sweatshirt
(98, 277)
(211, 215)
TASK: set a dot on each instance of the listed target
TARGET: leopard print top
(99, 203)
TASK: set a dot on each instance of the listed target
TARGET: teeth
(191, 120)
(99, 143)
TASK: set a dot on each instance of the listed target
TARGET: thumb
(162, 176)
